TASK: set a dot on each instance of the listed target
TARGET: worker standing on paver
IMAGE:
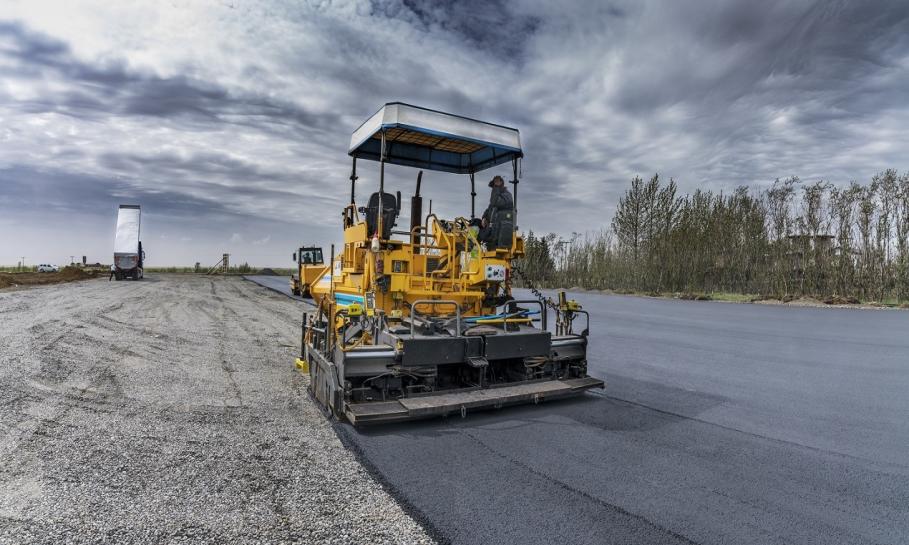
(499, 199)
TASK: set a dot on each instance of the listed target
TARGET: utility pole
(72, 260)
(23, 262)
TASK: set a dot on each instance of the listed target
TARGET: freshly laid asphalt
(280, 284)
(720, 423)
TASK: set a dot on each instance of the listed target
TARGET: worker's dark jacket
(500, 199)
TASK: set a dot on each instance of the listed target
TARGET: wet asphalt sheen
(280, 284)
(720, 423)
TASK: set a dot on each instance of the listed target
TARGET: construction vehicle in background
(129, 257)
(420, 322)
(310, 265)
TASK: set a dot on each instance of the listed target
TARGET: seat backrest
(389, 214)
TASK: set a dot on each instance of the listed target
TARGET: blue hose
(503, 315)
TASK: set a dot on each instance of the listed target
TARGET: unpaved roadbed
(169, 410)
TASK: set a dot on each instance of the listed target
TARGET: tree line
(789, 239)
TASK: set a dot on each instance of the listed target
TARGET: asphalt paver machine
(309, 267)
(421, 322)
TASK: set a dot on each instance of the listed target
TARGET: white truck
(128, 254)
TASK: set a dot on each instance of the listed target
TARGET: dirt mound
(67, 274)
(267, 272)
(840, 300)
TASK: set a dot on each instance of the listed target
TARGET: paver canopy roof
(433, 140)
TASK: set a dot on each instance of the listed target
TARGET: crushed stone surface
(168, 410)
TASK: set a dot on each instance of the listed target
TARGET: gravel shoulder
(168, 410)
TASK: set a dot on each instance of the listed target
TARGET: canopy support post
(353, 179)
(416, 213)
(473, 197)
(514, 164)
(381, 186)
(351, 211)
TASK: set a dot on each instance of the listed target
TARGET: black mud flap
(461, 402)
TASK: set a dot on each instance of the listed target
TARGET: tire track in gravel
(217, 330)
(277, 303)
(49, 400)
(242, 323)
(253, 333)
(179, 460)
(227, 366)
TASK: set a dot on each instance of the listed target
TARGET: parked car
(45, 267)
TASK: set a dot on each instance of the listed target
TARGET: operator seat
(391, 206)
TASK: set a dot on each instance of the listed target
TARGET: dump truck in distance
(128, 254)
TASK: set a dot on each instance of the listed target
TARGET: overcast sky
(228, 121)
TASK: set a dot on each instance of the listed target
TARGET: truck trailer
(128, 254)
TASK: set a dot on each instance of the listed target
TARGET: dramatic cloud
(229, 121)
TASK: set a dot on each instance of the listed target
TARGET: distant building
(806, 250)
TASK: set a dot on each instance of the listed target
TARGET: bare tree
(849, 242)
